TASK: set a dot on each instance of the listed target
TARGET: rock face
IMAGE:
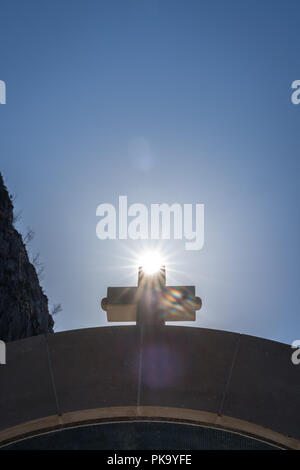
(23, 305)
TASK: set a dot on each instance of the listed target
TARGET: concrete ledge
(189, 375)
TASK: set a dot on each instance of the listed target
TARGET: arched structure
(192, 376)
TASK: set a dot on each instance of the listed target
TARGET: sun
(151, 262)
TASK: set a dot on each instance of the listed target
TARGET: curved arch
(192, 376)
(132, 414)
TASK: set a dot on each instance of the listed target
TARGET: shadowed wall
(176, 374)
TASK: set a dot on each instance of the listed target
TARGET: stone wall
(23, 305)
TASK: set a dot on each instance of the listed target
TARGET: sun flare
(151, 262)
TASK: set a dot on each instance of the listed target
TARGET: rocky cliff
(23, 305)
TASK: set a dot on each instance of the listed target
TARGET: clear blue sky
(163, 101)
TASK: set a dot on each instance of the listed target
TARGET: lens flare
(151, 262)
